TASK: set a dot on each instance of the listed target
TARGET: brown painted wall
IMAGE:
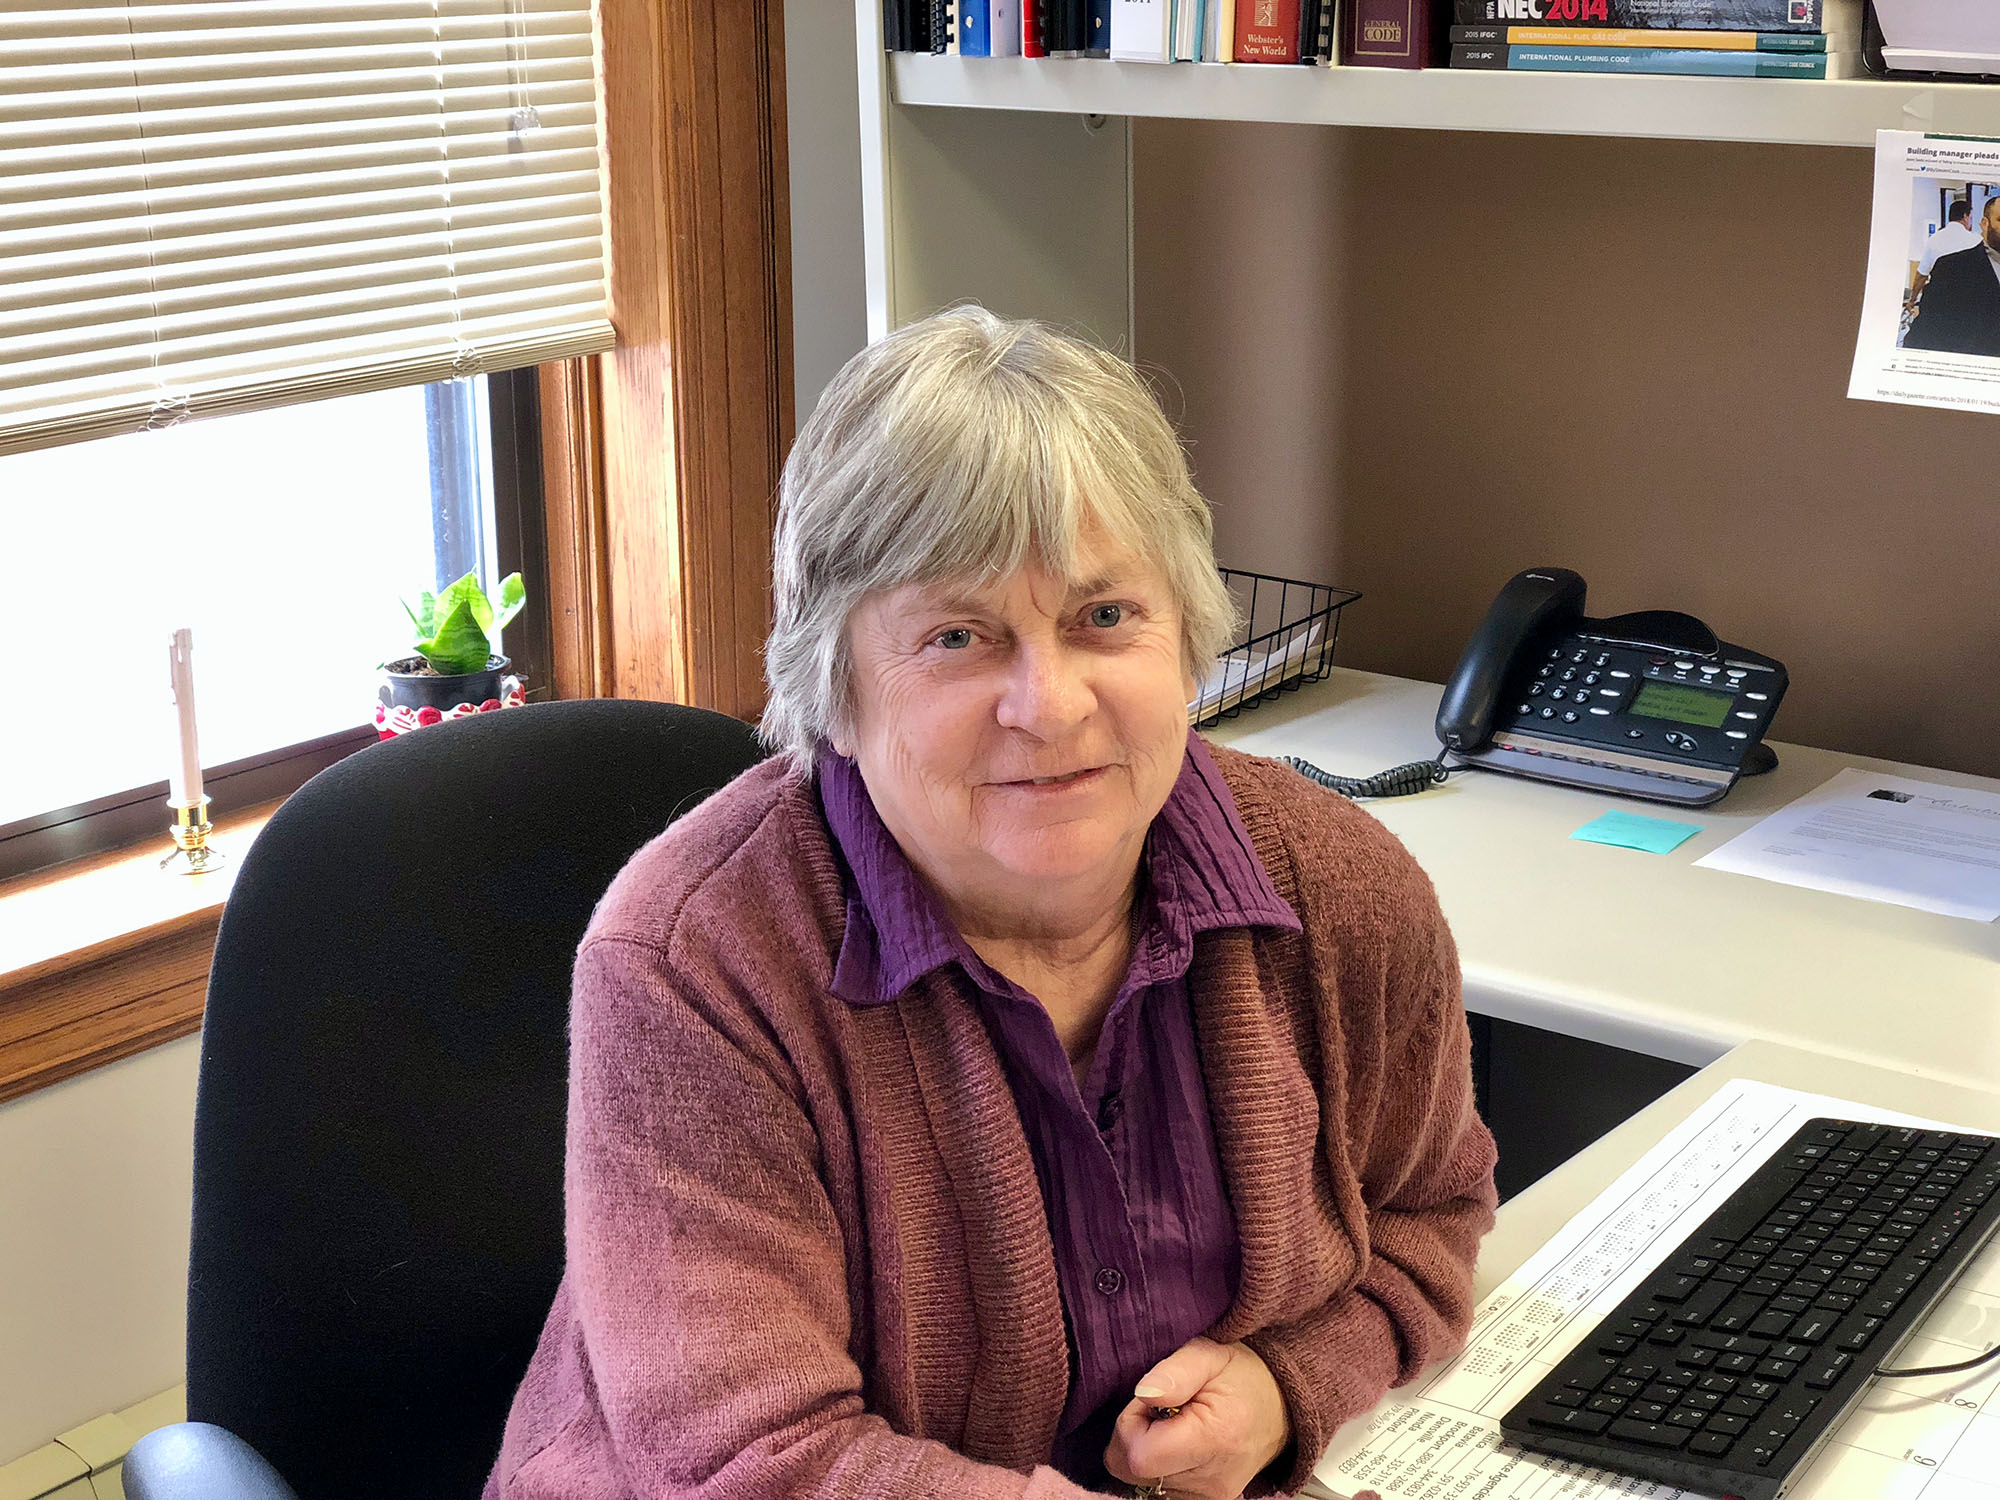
(1414, 363)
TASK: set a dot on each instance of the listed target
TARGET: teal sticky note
(1630, 831)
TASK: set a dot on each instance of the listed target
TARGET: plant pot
(413, 696)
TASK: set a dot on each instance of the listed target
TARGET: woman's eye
(1105, 616)
(955, 640)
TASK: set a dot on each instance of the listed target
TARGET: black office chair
(379, 1129)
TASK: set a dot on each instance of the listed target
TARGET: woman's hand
(1231, 1423)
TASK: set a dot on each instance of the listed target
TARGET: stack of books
(1727, 38)
(1252, 31)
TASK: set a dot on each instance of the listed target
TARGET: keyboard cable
(1970, 1364)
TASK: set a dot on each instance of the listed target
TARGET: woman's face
(1018, 735)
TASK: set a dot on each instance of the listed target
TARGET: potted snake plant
(456, 667)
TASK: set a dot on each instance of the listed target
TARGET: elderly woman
(1001, 1092)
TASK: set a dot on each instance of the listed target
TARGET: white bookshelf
(1767, 110)
(1008, 180)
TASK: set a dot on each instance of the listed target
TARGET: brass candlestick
(192, 853)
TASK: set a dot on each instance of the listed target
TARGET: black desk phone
(1647, 705)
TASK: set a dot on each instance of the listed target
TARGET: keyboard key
(1736, 1364)
(1610, 1405)
(1705, 1303)
(1675, 1288)
(1776, 1369)
(1725, 1422)
(1651, 1434)
(1742, 1406)
(1826, 1370)
(1770, 1324)
(1686, 1417)
(1696, 1358)
(1567, 1397)
(1856, 1332)
(1646, 1411)
(1812, 1326)
(1735, 1316)
(1710, 1444)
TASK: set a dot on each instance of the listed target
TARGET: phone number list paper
(1439, 1437)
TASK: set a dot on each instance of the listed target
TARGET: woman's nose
(1047, 692)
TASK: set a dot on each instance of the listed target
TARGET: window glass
(284, 539)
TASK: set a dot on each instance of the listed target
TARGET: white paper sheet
(1938, 1439)
(1883, 838)
(1243, 674)
(1917, 178)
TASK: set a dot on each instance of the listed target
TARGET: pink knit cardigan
(807, 1254)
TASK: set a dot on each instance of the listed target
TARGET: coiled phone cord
(1397, 781)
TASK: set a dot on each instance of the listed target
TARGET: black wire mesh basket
(1287, 638)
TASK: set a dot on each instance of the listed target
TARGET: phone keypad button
(1616, 673)
(1570, 717)
(1546, 672)
(1602, 658)
(1758, 697)
(1635, 734)
(1535, 690)
(1548, 713)
(1591, 678)
(1559, 694)
(1600, 710)
(1569, 674)
(1736, 734)
(1579, 656)
(1683, 666)
(1742, 715)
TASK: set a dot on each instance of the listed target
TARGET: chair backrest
(379, 1130)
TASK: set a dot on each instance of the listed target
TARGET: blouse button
(1109, 1280)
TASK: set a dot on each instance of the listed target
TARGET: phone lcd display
(1688, 705)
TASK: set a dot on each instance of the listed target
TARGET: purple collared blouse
(1145, 1242)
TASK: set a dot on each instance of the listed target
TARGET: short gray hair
(958, 447)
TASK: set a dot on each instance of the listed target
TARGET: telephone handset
(1648, 705)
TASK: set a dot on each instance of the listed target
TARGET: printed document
(1936, 1438)
(1930, 315)
(1883, 838)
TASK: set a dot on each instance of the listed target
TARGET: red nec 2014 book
(1394, 33)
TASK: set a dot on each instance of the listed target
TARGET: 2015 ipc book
(1712, 62)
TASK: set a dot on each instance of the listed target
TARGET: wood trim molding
(58, 1024)
(580, 646)
(696, 402)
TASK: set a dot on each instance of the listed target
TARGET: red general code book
(1267, 31)
(1392, 33)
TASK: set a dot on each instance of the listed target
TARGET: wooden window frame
(660, 465)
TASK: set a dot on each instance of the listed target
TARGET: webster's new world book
(1702, 15)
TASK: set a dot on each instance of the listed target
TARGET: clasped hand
(1230, 1425)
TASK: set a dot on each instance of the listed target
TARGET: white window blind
(215, 205)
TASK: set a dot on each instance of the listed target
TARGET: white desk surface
(1530, 1217)
(1644, 951)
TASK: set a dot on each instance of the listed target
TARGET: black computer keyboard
(1723, 1372)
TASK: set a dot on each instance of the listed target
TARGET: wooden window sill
(107, 956)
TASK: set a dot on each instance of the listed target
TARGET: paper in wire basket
(1287, 638)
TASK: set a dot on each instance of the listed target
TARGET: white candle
(184, 785)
